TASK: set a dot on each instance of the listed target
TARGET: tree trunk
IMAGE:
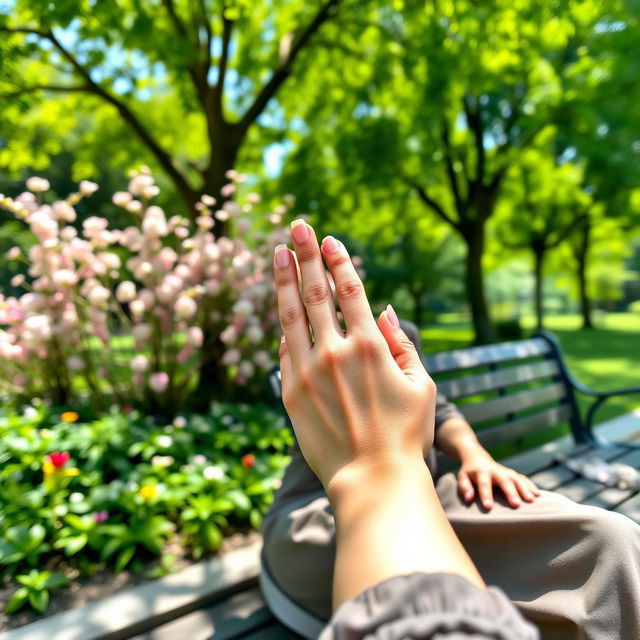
(416, 295)
(582, 256)
(538, 254)
(473, 235)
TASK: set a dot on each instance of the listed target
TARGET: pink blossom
(63, 211)
(254, 334)
(231, 357)
(185, 353)
(14, 253)
(246, 369)
(208, 200)
(243, 225)
(263, 359)
(121, 198)
(64, 278)
(232, 208)
(154, 224)
(253, 197)
(195, 336)
(141, 332)
(75, 363)
(134, 206)
(158, 382)
(17, 280)
(242, 308)
(185, 307)
(139, 183)
(139, 363)
(88, 188)
(204, 222)
(229, 335)
(98, 296)
(126, 291)
(37, 185)
(147, 298)
(222, 215)
(228, 190)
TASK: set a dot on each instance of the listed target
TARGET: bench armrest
(600, 396)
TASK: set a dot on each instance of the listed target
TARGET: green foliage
(35, 590)
(131, 485)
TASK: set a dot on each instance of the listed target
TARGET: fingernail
(300, 231)
(330, 244)
(282, 257)
(393, 318)
(487, 504)
(467, 496)
(516, 502)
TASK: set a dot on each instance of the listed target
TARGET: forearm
(457, 439)
(390, 523)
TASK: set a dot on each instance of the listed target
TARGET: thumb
(402, 349)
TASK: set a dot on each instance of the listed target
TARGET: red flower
(248, 460)
(58, 459)
(127, 408)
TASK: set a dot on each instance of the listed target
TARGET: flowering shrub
(113, 492)
(135, 313)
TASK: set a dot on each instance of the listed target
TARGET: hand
(480, 469)
(360, 400)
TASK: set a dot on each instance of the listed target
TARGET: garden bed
(106, 504)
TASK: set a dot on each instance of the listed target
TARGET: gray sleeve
(424, 606)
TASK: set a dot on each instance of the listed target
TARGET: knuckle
(367, 346)
(306, 255)
(316, 293)
(349, 289)
(305, 378)
(289, 316)
(330, 357)
(340, 259)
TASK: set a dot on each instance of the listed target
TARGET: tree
(543, 205)
(226, 61)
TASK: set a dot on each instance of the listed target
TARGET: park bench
(508, 391)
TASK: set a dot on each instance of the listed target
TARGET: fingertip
(487, 504)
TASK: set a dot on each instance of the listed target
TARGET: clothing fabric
(424, 606)
(573, 570)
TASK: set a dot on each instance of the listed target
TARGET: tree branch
(474, 122)
(284, 65)
(174, 18)
(45, 87)
(227, 26)
(451, 172)
(165, 160)
(429, 201)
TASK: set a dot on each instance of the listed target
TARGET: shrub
(133, 314)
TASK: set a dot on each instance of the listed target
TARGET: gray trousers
(573, 570)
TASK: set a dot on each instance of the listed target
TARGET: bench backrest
(507, 390)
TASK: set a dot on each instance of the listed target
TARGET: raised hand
(360, 400)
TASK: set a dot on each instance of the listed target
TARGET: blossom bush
(113, 492)
(134, 313)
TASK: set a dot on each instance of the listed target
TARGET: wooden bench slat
(630, 507)
(498, 407)
(489, 354)
(492, 380)
(579, 489)
(276, 631)
(228, 619)
(550, 479)
(609, 498)
(522, 426)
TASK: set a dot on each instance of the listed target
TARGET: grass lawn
(604, 358)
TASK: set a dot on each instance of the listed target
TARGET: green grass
(604, 358)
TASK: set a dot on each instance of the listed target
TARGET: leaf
(39, 600)
(213, 536)
(19, 536)
(56, 580)
(74, 544)
(17, 600)
(37, 534)
(124, 558)
(255, 518)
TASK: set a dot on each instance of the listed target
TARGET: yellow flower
(69, 416)
(148, 492)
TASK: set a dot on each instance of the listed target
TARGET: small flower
(213, 472)
(75, 363)
(139, 363)
(165, 441)
(195, 336)
(158, 381)
(180, 422)
(100, 516)
(148, 492)
(76, 497)
(248, 460)
(17, 280)
(37, 185)
(185, 307)
(58, 459)
(30, 413)
(162, 461)
(87, 187)
(199, 459)
(126, 291)
(14, 253)
(61, 510)
(69, 416)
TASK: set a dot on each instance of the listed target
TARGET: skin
(479, 473)
(362, 407)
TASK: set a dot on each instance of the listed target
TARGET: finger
(316, 293)
(402, 349)
(349, 288)
(293, 317)
(485, 490)
(510, 491)
(286, 366)
(525, 488)
(534, 487)
(465, 486)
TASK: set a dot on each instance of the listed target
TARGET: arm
(342, 391)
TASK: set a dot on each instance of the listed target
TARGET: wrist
(360, 483)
